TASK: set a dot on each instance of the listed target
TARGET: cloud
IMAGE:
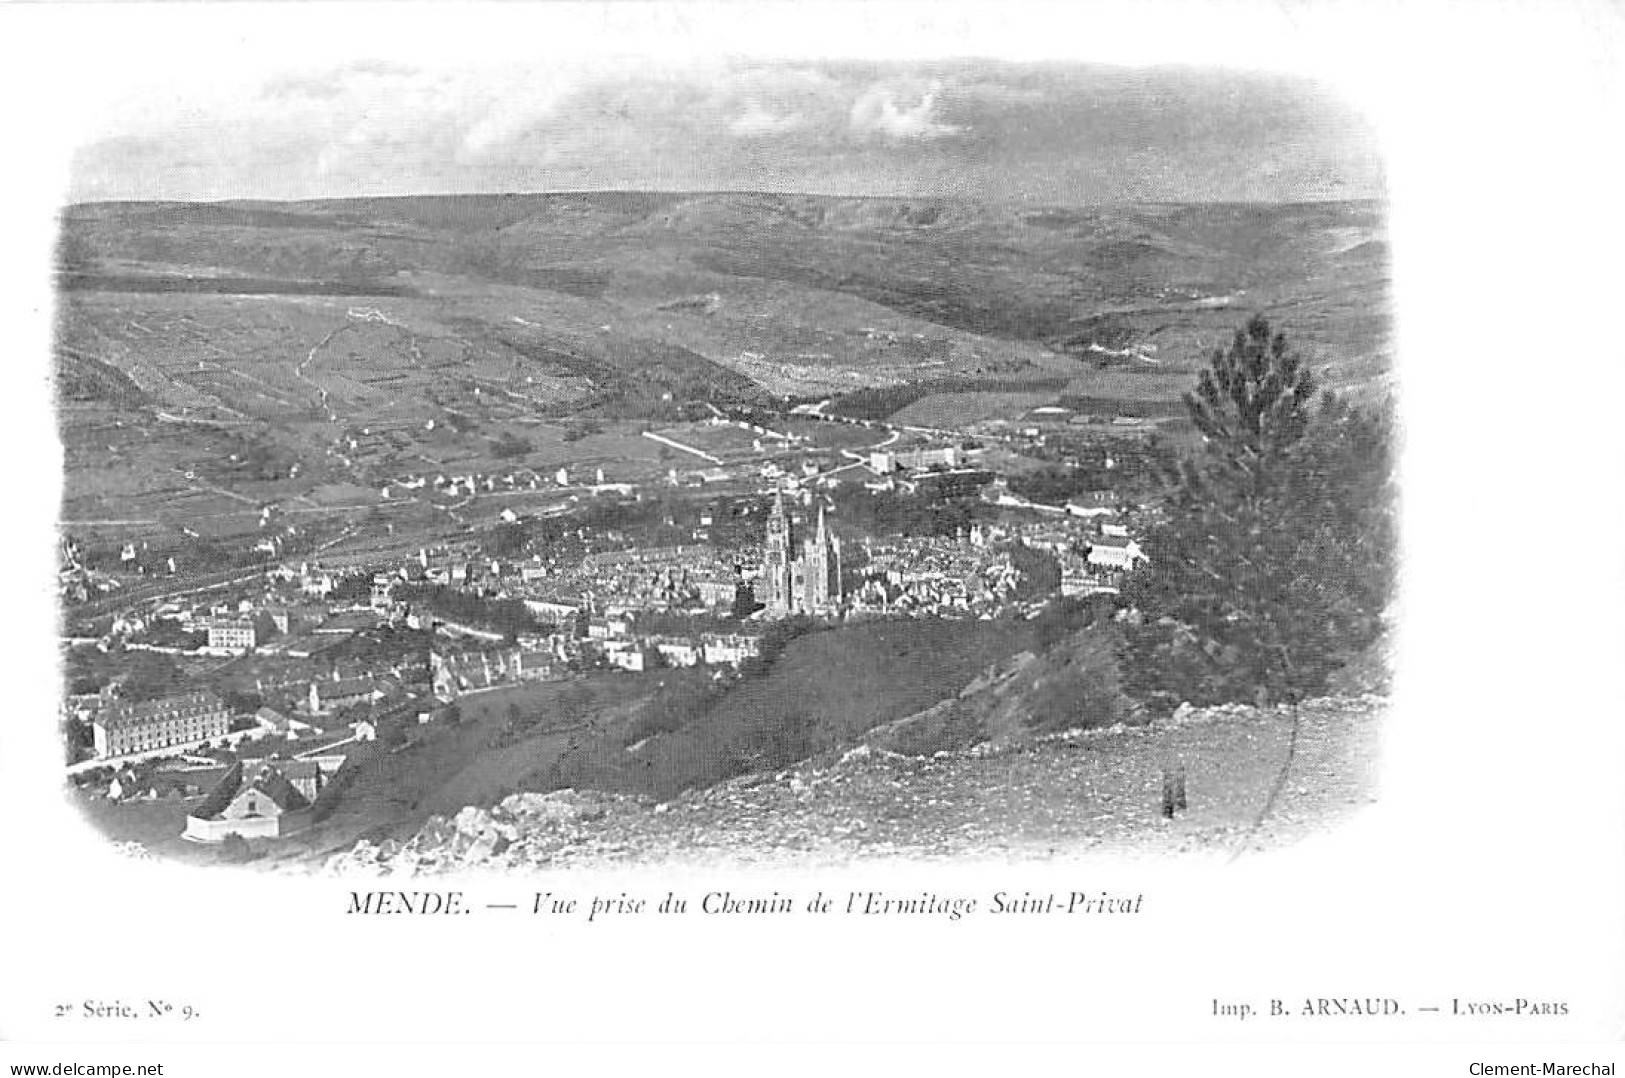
(330, 84)
(501, 112)
(317, 87)
(758, 122)
(885, 112)
(565, 109)
(1063, 133)
(501, 124)
(383, 69)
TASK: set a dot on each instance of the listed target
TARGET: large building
(178, 721)
(918, 458)
(232, 634)
(808, 583)
(1115, 552)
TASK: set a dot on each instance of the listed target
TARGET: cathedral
(808, 583)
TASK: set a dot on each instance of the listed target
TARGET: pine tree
(1277, 557)
(1253, 402)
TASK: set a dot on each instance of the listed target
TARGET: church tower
(817, 556)
(838, 588)
(819, 575)
(776, 554)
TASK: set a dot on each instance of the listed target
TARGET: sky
(1049, 132)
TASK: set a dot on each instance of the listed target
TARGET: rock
(436, 831)
(484, 848)
(533, 812)
(471, 821)
(478, 825)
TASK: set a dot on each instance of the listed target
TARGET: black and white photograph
(767, 460)
(842, 463)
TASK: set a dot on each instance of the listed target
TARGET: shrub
(1086, 688)
(778, 742)
(235, 850)
(672, 709)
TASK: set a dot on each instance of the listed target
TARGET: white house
(1115, 552)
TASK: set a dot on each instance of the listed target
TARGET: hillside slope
(1062, 796)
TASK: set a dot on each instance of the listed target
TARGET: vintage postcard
(630, 524)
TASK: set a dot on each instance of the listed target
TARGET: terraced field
(361, 343)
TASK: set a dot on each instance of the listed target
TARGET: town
(267, 685)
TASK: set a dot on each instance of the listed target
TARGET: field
(822, 435)
(213, 360)
(957, 410)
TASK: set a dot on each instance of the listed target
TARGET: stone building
(178, 721)
(232, 634)
(270, 798)
(804, 583)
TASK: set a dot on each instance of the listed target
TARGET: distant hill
(1173, 274)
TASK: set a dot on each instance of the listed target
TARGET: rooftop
(202, 701)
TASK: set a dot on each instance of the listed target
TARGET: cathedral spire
(778, 554)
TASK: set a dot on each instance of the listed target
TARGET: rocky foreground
(1249, 782)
